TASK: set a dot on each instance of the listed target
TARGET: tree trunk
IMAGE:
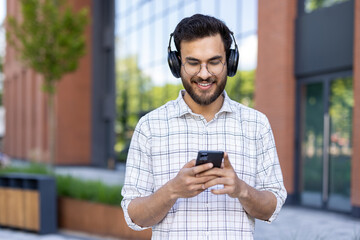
(51, 128)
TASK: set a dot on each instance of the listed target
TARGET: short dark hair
(200, 26)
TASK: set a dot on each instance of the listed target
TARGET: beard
(204, 98)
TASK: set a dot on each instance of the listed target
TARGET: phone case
(214, 157)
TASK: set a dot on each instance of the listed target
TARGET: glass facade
(142, 31)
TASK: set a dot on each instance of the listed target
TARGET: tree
(241, 87)
(132, 99)
(312, 5)
(50, 39)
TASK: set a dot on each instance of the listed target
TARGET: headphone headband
(169, 47)
(175, 63)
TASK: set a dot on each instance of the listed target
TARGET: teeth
(204, 84)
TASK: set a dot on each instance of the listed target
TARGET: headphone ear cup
(232, 62)
(174, 63)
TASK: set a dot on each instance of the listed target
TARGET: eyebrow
(210, 59)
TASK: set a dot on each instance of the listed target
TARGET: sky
(2, 34)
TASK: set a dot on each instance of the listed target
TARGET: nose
(204, 73)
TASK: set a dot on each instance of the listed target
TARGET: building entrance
(325, 132)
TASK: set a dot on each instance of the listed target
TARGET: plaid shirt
(168, 137)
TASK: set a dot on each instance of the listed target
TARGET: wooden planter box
(95, 218)
(28, 202)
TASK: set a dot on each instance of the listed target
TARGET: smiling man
(164, 188)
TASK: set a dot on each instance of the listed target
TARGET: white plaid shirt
(168, 137)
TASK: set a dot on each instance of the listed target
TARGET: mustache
(197, 79)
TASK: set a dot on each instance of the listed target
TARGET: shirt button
(206, 205)
(207, 234)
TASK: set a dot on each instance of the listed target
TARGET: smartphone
(215, 157)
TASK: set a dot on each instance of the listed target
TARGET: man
(163, 188)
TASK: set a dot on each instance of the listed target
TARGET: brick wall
(355, 164)
(275, 82)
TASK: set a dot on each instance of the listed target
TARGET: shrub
(68, 186)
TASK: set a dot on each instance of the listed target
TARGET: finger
(198, 188)
(202, 168)
(218, 172)
(216, 181)
(220, 191)
(202, 180)
(190, 164)
(227, 163)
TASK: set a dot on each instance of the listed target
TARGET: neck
(207, 111)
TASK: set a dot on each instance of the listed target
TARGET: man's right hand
(187, 184)
(150, 210)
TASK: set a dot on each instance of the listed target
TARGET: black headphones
(175, 63)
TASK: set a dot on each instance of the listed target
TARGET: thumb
(190, 164)
(227, 163)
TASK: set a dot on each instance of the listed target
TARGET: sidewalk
(298, 223)
(8, 234)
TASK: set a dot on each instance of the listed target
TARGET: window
(312, 5)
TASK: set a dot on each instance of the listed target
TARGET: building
(308, 84)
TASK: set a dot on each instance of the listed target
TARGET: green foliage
(341, 105)
(94, 191)
(68, 186)
(241, 87)
(33, 168)
(311, 5)
(49, 38)
(136, 96)
(132, 99)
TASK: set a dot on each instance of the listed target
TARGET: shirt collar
(184, 109)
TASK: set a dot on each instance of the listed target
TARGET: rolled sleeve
(139, 180)
(269, 175)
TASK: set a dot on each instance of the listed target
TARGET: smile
(204, 84)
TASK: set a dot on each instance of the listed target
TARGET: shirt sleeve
(269, 176)
(139, 180)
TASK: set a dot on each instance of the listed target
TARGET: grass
(68, 186)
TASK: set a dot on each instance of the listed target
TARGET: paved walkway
(8, 234)
(110, 177)
(293, 223)
(298, 223)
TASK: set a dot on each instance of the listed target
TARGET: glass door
(325, 126)
(340, 148)
(312, 139)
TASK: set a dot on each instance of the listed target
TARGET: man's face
(204, 87)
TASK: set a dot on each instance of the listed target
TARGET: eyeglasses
(193, 67)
